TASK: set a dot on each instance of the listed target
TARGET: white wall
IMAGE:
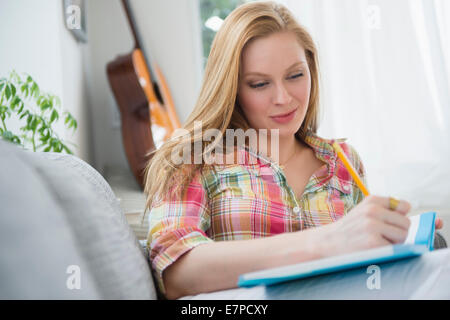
(34, 40)
(171, 35)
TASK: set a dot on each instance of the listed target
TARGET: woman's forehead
(279, 50)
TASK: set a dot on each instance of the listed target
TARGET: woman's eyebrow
(263, 74)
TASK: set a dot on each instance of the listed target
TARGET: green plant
(36, 110)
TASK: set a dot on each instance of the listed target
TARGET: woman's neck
(279, 150)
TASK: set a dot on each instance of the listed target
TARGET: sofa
(63, 235)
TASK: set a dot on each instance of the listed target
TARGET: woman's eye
(258, 85)
(297, 75)
(262, 84)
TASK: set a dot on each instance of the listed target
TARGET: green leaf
(45, 105)
(34, 90)
(47, 149)
(34, 124)
(67, 149)
(2, 85)
(7, 92)
(24, 114)
(15, 101)
(45, 137)
(53, 142)
(13, 90)
(50, 101)
(54, 116)
(16, 140)
(57, 101)
(14, 76)
(21, 107)
(56, 145)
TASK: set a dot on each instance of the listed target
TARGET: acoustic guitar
(148, 115)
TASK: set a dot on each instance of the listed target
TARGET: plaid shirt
(251, 199)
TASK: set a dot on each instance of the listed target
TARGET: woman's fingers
(382, 241)
(390, 232)
(394, 218)
(439, 223)
(403, 206)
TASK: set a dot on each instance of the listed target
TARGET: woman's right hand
(368, 225)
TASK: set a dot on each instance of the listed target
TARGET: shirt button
(296, 209)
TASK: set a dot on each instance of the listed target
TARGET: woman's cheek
(256, 105)
(258, 101)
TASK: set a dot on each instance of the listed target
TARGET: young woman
(211, 222)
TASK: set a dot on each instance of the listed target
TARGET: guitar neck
(136, 37)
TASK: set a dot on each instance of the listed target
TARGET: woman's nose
(281, 95)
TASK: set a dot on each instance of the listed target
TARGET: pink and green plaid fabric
(249, 200)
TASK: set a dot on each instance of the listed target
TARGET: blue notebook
(419, 240)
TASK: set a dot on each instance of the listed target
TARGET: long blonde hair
(217, 106)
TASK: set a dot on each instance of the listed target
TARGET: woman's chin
(284, 132)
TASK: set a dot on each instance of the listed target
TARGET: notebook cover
(419, 240)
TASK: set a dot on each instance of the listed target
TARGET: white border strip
(413, 228)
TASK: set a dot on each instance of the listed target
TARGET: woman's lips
(285, 118)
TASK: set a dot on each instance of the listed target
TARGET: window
(212, 14)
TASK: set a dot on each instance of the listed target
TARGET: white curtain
(385, 68)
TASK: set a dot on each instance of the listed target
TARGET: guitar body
(133, 105)
(161, 118)
(147, 110)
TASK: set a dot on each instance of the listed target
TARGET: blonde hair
(217, 105)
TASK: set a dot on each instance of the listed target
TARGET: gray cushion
(37, 244)
(100, 232)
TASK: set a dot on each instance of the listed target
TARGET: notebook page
(413, 228)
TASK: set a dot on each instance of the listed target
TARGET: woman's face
(274, 80)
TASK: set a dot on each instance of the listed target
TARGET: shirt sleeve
(177, 226)
(357, 163)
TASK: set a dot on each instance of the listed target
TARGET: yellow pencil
(350, 168)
